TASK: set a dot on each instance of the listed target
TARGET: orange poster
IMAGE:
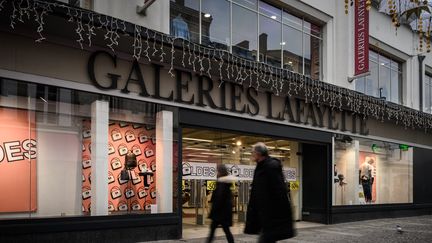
(17, 161)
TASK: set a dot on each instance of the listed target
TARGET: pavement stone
(414, 229)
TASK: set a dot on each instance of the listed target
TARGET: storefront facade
(61, 106)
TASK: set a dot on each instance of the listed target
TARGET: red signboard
(361, 38)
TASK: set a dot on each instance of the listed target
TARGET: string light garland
(229, 67)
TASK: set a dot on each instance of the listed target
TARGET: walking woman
(221, 211)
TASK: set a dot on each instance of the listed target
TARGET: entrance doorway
(202, 149)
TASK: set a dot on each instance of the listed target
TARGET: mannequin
(367, 179)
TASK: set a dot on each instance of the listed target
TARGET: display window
(371, 172)
(51, 160)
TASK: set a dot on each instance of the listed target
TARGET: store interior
(201, 146)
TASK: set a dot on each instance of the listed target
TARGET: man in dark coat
(221, 211)
(269, 209)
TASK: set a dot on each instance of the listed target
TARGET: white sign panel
(200, 171)
(242, 172)
(290, 173)
(208, 171)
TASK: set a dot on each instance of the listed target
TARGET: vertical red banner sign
(361, 38)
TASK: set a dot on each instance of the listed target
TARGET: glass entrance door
(203, 149)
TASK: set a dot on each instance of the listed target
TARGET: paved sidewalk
(414, 229)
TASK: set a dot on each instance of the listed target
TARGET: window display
(128, 158)
(46, 153)
(371, 172)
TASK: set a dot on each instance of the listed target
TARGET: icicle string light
(227, 66)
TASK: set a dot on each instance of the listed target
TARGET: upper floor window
(385, 79)
(251, 29)
(427, 100)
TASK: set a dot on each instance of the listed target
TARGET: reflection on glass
(291, 20)
(394, 86)
(292, 49)
(312, 50)
(244, 32)
(270, 11)
(428, 94)
(360, 84)
(372, 172)
(296, 47)
(252, 4)
(215, 25)
(312, 29)
(270, 41)
(371, 83)
(184, 19)
(385, 78)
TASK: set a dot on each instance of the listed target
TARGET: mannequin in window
(179, 28)
(367, 179)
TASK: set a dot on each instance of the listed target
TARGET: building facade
(115, 116)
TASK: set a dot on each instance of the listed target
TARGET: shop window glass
(385, 79)
(270, 11)
(215, 25)
(184, 19)
(252, 4)
(312, 29)
(292, 49)
(372, 172)
(46, 152)
(292, 21)
(296, 47)
(244, 39)
(270, 41)
(428, 94)
(371, 87)
(312, 50)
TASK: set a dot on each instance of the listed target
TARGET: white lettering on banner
(361, 42)
(13, 151)
(242, 172)
(208, 171)
(200, 171)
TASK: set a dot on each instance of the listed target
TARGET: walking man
(269, 209)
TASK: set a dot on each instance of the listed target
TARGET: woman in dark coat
(221, 211)
(269, 209)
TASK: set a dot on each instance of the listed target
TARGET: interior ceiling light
(199, 140)
(198, 149)
(233, 152)
(283, 148)
(278, 156)
(215, 154)
(198, 160)
(239, 143)
(283, 43)
(273, 17)
(197, 155)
